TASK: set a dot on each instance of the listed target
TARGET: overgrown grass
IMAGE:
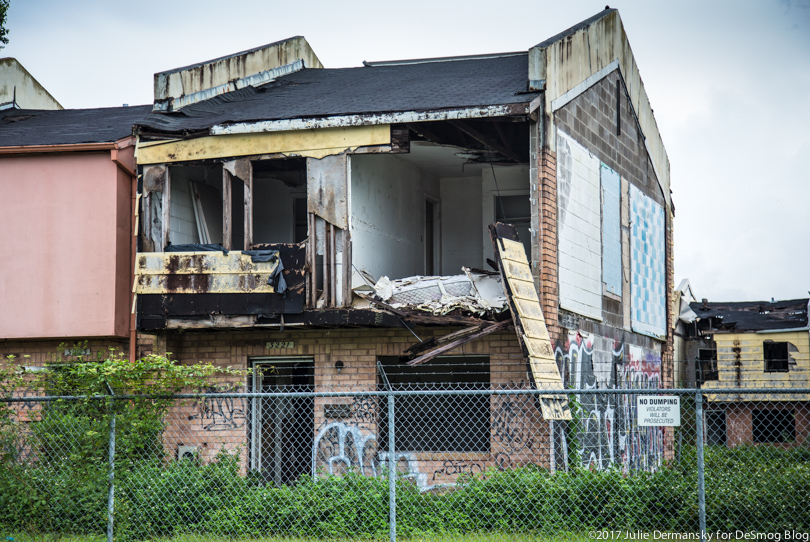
(758, 488)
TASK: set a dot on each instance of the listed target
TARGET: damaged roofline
(521, 109)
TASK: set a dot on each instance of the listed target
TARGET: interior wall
(183, 224)
(183, 227)
(461, 224)
(507, 181)
(388, 215)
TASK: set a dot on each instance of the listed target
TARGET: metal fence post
(700, 467)
(392, 473)
(111, 459)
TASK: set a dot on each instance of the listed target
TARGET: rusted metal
(327, 189)
(209, 272)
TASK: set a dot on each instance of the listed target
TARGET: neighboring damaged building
(492, 221)
(19, 89)
(750, 344)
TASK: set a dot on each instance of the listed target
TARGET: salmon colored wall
(64, 228)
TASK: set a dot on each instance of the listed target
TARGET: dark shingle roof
(313, 93)
(756, 315)
(68, 126)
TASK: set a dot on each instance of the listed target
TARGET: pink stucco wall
(64, 246)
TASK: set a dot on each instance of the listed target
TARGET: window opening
(300, 220)
(774, 426)
(776, 356)
(431, 241)
(516, 210)
(279, 200)
(706, 365)
(438, 423)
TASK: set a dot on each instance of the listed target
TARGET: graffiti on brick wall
(342, 447)
(512, 427)
(457, 468)
(609, 434)
(221, 413)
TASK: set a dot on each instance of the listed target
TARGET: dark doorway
(282, 428)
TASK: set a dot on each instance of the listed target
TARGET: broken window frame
(772, 355)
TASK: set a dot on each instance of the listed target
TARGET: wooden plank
(167, 208)
(147, 244)
(486, 140)
(347, 269)
(437, 341)
(312, 246)
(332, 266)
(458, 342)
(227, 207)
(249, 209)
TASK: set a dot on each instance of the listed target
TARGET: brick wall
(591, 119)
(518, 434)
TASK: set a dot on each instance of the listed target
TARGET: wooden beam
(432, 342)
(249, 208)
(486, 140)
(227, 206)
(167, 209)
(458, 342)
(347, 269)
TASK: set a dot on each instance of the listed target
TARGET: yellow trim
(315, 143)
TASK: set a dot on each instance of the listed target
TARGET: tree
(3, 29)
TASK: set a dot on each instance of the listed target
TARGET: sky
(729, 82)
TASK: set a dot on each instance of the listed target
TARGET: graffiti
(364, 409)
(455, 468)
(221, 413)
(511, 423)
(608, 433)
(341, 447)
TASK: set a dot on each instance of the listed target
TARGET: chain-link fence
(409, 460)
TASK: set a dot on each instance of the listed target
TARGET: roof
(314, 93)
(68, 126)
(755, 315)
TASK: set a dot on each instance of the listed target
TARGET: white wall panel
(579, 228)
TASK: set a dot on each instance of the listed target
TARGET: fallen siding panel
(530, 324)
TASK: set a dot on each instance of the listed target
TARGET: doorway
(282, 428)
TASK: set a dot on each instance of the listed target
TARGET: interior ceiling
(442, 160)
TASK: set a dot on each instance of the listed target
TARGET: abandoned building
(749, 344)
(498, 220)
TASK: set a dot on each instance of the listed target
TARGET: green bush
(747, 488)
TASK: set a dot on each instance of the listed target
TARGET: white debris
(477, 293)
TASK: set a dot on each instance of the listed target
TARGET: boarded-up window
(579, 219)
(611, 231)
(647, 257)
